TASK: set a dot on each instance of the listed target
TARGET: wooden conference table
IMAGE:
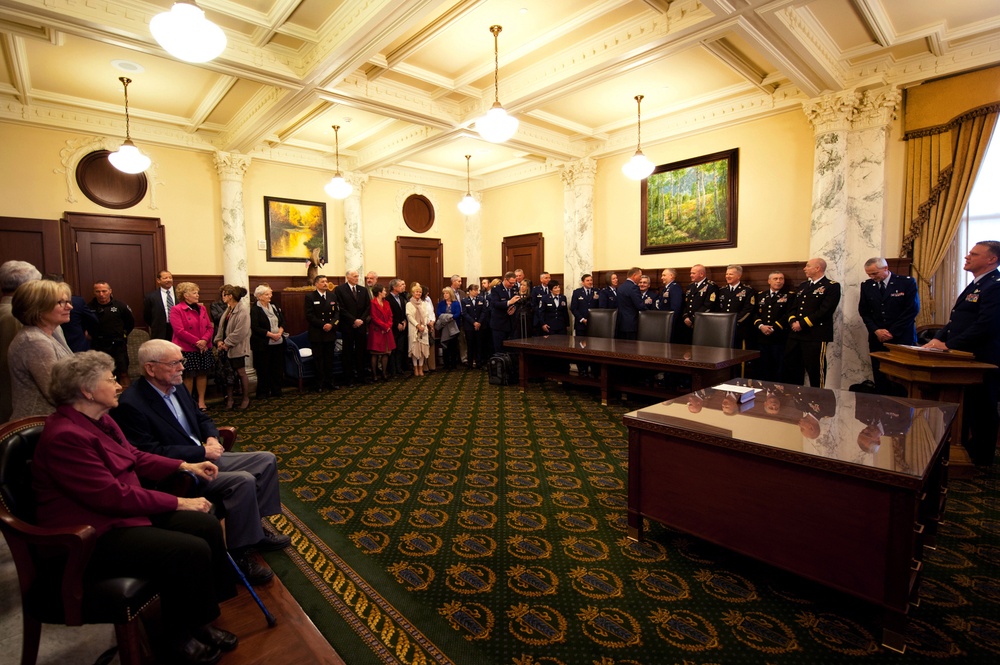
(707, 365)
(798, 478)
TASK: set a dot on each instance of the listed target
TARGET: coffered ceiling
(406, 79)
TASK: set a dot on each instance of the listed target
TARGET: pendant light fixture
(338, 188)
(468, 205)
(127, 158)
(639, 166)
(186, 34)
(496, 126)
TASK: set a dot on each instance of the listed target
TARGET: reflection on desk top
(888, 433)
(680, 354)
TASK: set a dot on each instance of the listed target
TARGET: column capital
(833, 112)
(231, 165)
(877, 108)
(357, 181)
(580, 172)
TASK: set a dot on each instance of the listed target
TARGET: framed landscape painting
(294, 228)
(691, 204)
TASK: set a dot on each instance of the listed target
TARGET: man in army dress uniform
(114, 322)
(702, 295)
(770, 327)
(810, 320)
(737, 297)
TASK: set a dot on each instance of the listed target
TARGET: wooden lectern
(940, 376)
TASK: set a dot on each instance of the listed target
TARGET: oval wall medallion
(105, 185)
(418, 213)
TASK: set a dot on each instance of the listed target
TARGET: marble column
(848, 211)
(231, 167)
(474, 245)
(578, 220)
(354, 239)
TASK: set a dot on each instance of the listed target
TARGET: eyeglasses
(63, 303)
(111, 380)
(169, 363)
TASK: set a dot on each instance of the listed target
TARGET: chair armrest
(76, 543)
(228, 436)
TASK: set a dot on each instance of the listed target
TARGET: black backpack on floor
(503, 370)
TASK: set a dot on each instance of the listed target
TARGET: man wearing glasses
(158, 415)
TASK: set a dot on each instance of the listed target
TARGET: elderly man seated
(158, 415)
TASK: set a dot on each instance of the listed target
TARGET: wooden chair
(714, 329)
(50, 562)
(655, 326)
(602, 323)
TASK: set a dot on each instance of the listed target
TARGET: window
(982, 216)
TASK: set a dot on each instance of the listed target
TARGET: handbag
(224, 374)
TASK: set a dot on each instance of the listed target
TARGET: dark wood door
(526, 252)
(421, 260)
(33, 240)
(126, 252)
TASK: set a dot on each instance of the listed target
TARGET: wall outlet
(261, 244)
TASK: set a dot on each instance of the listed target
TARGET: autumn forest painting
(294, 228)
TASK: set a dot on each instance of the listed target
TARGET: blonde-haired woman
(41, 305)
(193, 330)
(420, 317)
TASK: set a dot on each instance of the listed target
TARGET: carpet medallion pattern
(444, 520)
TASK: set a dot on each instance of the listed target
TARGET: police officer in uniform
(114, 322)
(770, 327)
(810, 320)
(739, 298)
(702, 295)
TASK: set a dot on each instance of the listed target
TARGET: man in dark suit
(156, 307)
(974, 326)
(397, 302)
(473, 318)
(609, 294)
(888, 305)
(581, 302)
(737, 297)
(702, 295)
(771, 326)
(322, 316)
(810, 319)
(157, 414)
(355, 312)
(630, 303)
(503, 297)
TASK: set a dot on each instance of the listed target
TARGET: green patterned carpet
(444, 520)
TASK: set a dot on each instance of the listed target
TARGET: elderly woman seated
(86, 472)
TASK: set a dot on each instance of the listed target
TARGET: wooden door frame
(49, 230)
(432, 245)
(524, 240)
(73, 222)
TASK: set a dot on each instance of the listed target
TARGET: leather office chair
(655, 326)
(602, 323)
(51, 562)
(714, 329)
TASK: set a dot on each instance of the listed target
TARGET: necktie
(881, 288)
(170, 299)
(586, 293)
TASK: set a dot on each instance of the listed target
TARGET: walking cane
(243, 578)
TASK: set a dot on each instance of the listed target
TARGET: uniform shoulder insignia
(833, 281)
(708, 281)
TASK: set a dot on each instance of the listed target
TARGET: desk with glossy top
(707, 365)
(789, 479)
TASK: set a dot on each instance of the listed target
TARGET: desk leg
(605, 371)
(894, 631)
(522, 364)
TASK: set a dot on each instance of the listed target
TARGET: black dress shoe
(255, 572)
(195, 651)
(213, 636)
(272, 542)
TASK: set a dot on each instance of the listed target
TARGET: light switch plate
(261, 244)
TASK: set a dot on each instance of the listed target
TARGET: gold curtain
(941, 167)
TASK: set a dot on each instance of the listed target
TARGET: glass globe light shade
(338, 188)
(128, 159)
(496, 126)
(468, 205)
(638, 167)
(186, 34)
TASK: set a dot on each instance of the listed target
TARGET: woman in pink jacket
(193, 333)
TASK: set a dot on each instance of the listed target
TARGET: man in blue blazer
(630, 303)
(157, 414)
(888, 305)
(975, 320)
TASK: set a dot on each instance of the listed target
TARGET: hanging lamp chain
(638, 111)
(468, 176)
(125, 81)
(336, 138)
(495, 29)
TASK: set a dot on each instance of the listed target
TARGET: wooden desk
(707, 365)
(936, 375)
(812, 501)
